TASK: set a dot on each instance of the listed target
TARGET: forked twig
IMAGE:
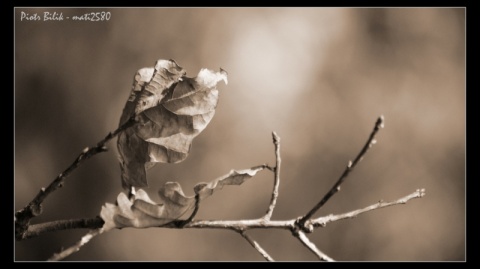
(289, 224)
(336, 187)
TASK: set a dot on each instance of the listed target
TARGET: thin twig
(181, 223)
(76, 247)
(195, 210)
(34, 208)
(38, 229)
(276, 184)
(311, 246)
(256, 246)
(323, 221)
(336, 187)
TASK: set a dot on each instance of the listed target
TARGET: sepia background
(319, 77)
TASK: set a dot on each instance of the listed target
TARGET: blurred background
(319, 77)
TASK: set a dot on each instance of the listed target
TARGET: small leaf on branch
(143, 212)
(170, 110)
(232, 178)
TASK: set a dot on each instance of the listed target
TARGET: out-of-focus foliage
(318, 77)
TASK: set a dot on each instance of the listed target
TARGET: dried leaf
(171, 110)
(142, 212)
(233, 178)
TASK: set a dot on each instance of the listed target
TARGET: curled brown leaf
(171, 110)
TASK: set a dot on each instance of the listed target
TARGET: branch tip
(276, 138)
(380, 122)
(421, 192)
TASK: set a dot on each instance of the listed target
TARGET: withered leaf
(143, 212)
(171, 110)
(235, 177)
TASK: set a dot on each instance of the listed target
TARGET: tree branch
(276, 184)
(311, 246)
(336, 187)
(298, 227)
(76, 247)
(261, 223)
(34, 208)
(38, 229)
(256, 246)
(242, 226)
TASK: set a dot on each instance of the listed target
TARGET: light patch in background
(275, 57)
